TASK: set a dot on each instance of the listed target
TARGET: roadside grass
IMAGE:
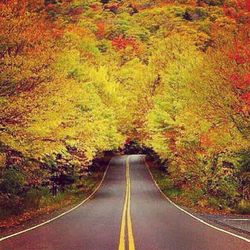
(42, 202)
(195, 198)
(166, 184)
(244, 207)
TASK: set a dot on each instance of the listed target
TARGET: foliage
(12, 181)
(81, 77)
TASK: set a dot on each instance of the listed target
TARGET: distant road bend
(127, 212)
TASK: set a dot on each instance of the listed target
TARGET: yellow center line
(130, 231)
(126, 216)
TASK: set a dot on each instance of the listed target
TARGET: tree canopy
(88, 76)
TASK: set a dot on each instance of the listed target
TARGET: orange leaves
(120, 43)
(16, 7)
(27, 46)
(100, 29)
(172, 136)
(76, 30)
(205, 141)
(22, 30)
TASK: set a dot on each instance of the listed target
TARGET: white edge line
(238, 219)
(60, 215)
(183, 210)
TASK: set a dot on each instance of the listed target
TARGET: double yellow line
(126, 216)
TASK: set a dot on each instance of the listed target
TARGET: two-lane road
(127, 212)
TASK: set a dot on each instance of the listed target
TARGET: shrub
(244, 207)
(214, 2)
(33, 197)
(166, 183)
(194, 195)
(12, 181)
(9, 205)
(194, 14)
(217, 203)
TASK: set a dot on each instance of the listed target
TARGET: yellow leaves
(79, 91)
(44, 126)
(61, 117)
(100, 78)
(68, 63)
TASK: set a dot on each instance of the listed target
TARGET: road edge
(188, 213)
(62, 214)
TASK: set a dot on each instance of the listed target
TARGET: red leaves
(246, 79)
(239, 59)
(76, 11)
(230, 12)
(50, 6)
(245, 108)
(239, 11)
(94, 7)
(240, 55)
(240, 52)
(120, 43)
(246, 98)
(240, 81)
(245, 4)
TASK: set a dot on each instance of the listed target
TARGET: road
(127, 212)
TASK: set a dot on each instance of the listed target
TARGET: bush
(214, 2)
(217, 203)
(194, 195)
(34, 196)
(194, 14)
(166, 183)
(244, 160)
(244, 207)
(9, 205)
(173, 192)
(49, 199)
(12, 181)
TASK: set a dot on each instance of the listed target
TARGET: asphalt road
(127, 212)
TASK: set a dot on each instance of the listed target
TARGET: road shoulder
(46, 218)
(225, 223)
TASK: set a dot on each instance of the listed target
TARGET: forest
(81, 78)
